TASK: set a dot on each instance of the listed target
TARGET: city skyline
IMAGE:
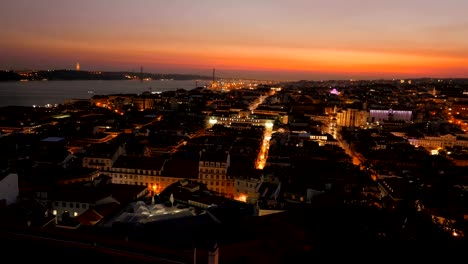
(255, 39)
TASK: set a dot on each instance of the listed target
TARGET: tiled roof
(214, 156)
(125, 193)
(78, 193)
(89, 217)
(181, 168)
(139, 162)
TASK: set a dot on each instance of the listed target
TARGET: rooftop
(53, 139)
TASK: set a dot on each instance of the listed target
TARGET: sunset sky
(266, 39)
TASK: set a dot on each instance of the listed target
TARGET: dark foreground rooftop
(301, 235)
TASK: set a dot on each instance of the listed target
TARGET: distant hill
(92, 75)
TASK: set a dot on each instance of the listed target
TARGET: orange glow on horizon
(313, 38)
(245, 58)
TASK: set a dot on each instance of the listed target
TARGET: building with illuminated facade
(377, 115)
(136, 170)
(246, 189)
(212, 171)
(238, 122)
(438, 142)
(356, 118)
(351, 117)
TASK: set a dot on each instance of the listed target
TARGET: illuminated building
(229, 121)
(351, 117)
(391, 115)
(145, 171)
(436, 142)
(212, 171)
(246, 189)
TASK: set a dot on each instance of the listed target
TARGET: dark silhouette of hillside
(92, 75)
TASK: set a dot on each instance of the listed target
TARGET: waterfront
(41, 93)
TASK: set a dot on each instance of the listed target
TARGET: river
(41, 93)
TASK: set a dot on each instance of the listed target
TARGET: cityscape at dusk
(264, 39)
(233, 132)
